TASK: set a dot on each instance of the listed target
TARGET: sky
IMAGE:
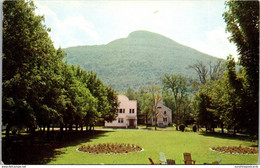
(196, 23)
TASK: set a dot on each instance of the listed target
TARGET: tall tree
(178, 85)
(156, 98)
(212, 71)
(242, 19)
(29, 58)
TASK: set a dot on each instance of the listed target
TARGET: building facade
(164, 116)
(127, 114)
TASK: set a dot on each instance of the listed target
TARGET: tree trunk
(7, 133)
(52, 127)
(81, 128)
(155, 123)
(222, 128)
(70, 127)
(43, 128)
(48, 129)
(61, 128)
(61, 131)
(213, 127)
(177, 120)
(32, 134)
(146, 118)
(76, 127)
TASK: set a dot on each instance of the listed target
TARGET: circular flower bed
(235, 149)
(110, 148)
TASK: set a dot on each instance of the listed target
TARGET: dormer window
(164, 112)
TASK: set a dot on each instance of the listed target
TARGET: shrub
(182, 127)
(194, 128)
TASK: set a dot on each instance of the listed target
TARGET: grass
(172, 143)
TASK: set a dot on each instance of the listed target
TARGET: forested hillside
(137, 61)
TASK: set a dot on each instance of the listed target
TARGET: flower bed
(235, 149)
(110, 148)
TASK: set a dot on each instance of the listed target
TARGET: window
(131, 111)
(159, 107)
(121, 110)
(120, 120)
(164, 119)
(164, 112)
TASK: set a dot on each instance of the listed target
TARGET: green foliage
(136, 61)
(39, 89)
(29, 59)
(242, 19)
(223, 101)
(178, 86)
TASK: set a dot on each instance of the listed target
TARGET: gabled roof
(161, 115)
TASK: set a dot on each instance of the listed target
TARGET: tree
(29, 58)
(156, 98)
(212, 72)
(147, 104)
(178, 86)
(242, 19)
(130, 94)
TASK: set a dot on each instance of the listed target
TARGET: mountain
(136, 61)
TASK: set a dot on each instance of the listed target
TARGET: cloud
(71, 31)
(197, 24)
(215, 44)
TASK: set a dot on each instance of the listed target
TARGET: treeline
(39, 89)
(175, 94)
(232, 100)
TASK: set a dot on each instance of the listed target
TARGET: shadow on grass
(43, 148)
(231, 136)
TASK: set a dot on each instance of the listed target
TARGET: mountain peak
(144, 38)
(145, 34)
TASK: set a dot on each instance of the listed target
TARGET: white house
(164, 116)
(127, 114)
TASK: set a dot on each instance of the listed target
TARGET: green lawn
(172, 143)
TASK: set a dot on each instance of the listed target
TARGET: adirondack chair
(214, 163)
(152, 163)
(187, 159)
(162, 158)
(217, 162)
(170, 162)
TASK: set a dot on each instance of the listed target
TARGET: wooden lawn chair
(187, 159)
(162, 158)
(152, 163)
(215, 163)
(170, 162)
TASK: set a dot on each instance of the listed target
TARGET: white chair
(162, 158)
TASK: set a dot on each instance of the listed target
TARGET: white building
(164, 116)
(127, 114)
